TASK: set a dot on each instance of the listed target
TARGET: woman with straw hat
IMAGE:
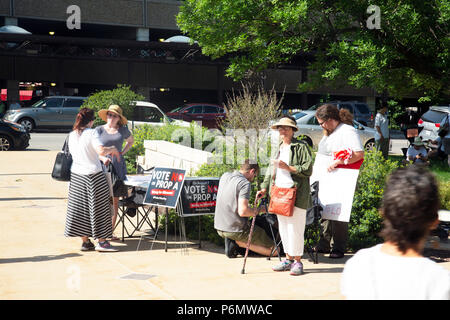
(114, 133)
(293, 167)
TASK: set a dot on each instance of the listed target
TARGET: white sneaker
(105, 247)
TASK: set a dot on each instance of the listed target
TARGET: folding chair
(135, 214)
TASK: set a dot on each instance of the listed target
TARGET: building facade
(125, 42)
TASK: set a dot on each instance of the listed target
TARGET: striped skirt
(89, 207)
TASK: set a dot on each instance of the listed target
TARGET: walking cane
(249, 240)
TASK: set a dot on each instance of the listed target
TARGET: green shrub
(365, 220)
(122, 96)
(444, 190)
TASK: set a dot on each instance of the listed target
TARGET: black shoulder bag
(63, 163)
(118, 186)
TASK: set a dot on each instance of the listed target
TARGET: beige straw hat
(114, 109)
(285, 122)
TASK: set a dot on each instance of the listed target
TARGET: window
(195, 109)
(176, 109)
(147, 114)
(73, 103)
(210, 109)
(298, 115)
(313, 121)
(362, 108)
(54, 103)
(346, 106)
(433, 116)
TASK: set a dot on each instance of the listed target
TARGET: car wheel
(27, 123)
(5, 143)
(370, 145)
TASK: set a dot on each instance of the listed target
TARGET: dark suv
(50, 112)
(360, 110)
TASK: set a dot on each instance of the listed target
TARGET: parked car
(209, 114)
(313, 132)
(13, 136)
(430, 121)
(50, 112)
(149, 113)
(360, 110)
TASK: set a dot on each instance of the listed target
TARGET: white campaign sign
(336, 188)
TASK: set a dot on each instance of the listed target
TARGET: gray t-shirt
(232, 187)
(116, 140)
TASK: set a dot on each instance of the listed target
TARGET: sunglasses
(321, 123)
(112, 115)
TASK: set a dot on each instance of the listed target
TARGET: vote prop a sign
(198, 196)
(164, 187)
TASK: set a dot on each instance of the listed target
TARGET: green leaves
(123, 96)
(365, 221)
(410, 53)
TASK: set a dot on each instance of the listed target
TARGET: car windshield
(314, 107)
(362, 108)
(38, 104)
(176, 109)
(299, 115)
(433, 116)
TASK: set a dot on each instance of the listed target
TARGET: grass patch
(438, 167)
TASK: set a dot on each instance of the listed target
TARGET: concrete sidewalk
(38, 262)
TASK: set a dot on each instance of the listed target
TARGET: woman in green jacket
(293, 167)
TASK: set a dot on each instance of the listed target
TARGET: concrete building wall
(139, 13)
(161, 14)
(120, 12)
(5, 7)
(160, 153)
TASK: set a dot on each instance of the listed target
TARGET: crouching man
(232, 213)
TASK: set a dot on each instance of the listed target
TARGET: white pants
(292, 232)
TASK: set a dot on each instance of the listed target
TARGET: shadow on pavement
(39, 258)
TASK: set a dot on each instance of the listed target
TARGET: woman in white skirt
(88, 207)
(293, 168)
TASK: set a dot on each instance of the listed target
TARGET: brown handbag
(282, 200)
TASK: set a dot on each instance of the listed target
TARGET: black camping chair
(313, 227)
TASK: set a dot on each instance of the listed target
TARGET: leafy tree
(409, 53)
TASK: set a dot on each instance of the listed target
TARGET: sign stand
(197, 197)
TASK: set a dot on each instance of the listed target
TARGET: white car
(149, 113)
(431, 120)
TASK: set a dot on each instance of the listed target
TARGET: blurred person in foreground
(396, 268)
